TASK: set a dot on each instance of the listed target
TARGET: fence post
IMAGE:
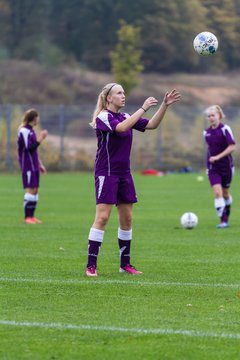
(9, 161)
(61, 131)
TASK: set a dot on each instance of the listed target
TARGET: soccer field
(185, 305)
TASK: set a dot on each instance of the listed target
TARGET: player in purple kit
(29, 162)
(113, 180)
(221, 144)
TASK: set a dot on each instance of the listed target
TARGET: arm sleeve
(32, 142)
(141, 124)
(229, 135)
(34, 145)
(106, 122)
(28, 140)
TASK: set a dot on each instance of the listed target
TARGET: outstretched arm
(131, 121)
(169, 98)
(43, 134)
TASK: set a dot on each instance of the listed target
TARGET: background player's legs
(226, 182)
(228, 202)
(219, 203)
(30, 202)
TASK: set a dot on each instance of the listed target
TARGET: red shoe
(91, 271)
(37, 221)
(30, 220)
(130, 269)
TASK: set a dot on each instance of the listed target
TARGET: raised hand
(171, 97)
(149, 102)
(43, 135)
(42, 168)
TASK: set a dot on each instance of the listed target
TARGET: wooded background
(54, 32)
(56, 55)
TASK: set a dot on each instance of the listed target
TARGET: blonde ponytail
(216, 108)
(28, 117)
(101, 102)
(220, 111)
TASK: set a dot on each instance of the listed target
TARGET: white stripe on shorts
(101, 182)
(28, 176)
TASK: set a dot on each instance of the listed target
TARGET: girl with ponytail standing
(29, 162)
(113, 179)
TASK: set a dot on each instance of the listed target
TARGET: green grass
(184, 306)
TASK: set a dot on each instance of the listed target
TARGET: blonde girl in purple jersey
(220, 169)
(30, 163)
(113, 179)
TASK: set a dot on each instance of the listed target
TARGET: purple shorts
(115, 189)
(30, 179)
(222, 178)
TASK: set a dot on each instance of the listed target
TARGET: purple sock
(124, 246)
(93, 250)
(228, 210)
(29, 208)
(224, 217)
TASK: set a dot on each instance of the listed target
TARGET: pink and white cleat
(222, 225)
(37, 221)
(30, 220)
(91, 271)
(130, 269)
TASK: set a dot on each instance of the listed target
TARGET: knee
(102, 220)
(218, 193)
(126, 223)
(226, 195)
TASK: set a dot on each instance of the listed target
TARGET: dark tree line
(56, 32)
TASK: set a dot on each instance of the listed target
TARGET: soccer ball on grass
(205, 43)
(189, 220)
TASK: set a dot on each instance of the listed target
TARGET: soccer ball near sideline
(205, 43)
(189, 220)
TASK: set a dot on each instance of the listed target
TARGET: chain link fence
(177, 145)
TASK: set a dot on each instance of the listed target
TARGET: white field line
(118, 282)
(191, 333)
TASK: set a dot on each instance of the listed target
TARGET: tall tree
(86, 30)
(29, 24)
(223, 19)
(168, 34)
(126, 58)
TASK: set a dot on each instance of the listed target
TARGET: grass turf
(184, 306)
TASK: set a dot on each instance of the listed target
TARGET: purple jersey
(218, 140)
(114, 148)
(27, 149)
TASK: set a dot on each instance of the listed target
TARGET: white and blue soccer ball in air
(189, 220)
(205, 43)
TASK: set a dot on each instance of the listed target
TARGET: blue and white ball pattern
(205, 43)
(189, 220)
